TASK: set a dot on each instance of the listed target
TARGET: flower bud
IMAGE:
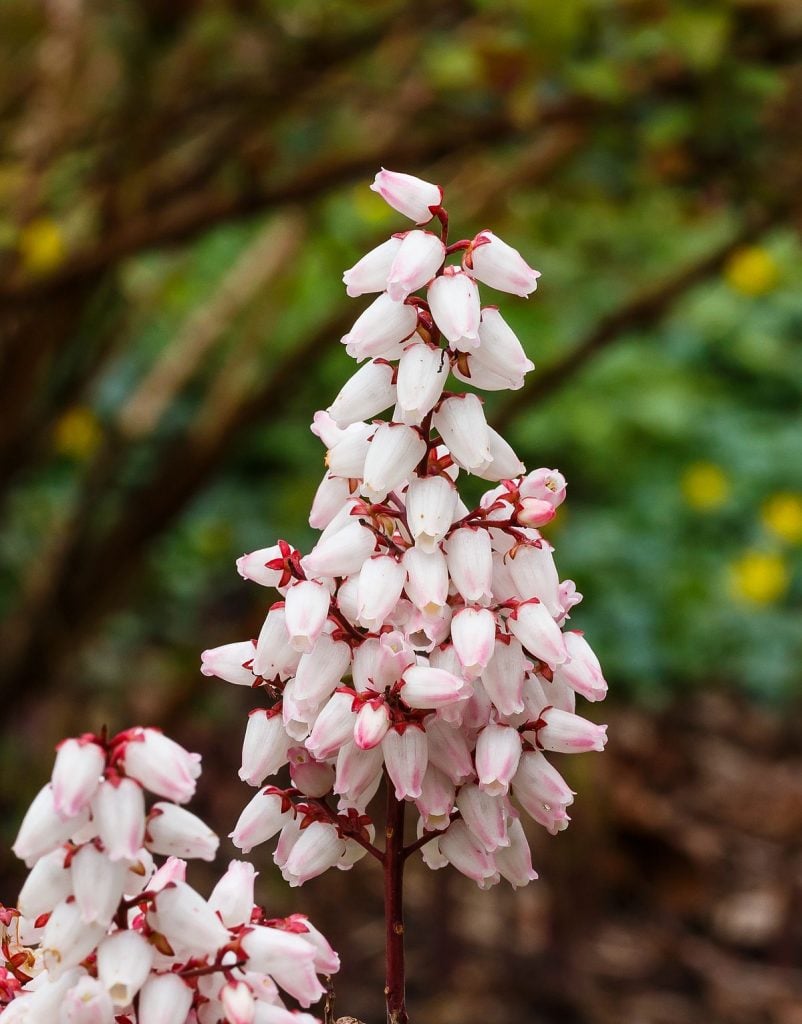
(495, 263)
(319, 672)
(288, 958)
(332, 494)
(275, 656)
(504, 463)
(466, 854)
(473, 633)
(164, 999)
(470, 564)
(42, 829)
(174, 831)
(306, 608)
(264, 749)
(369, 392)
(124, 960)
(380, 329)
(394, 452)
(254, 566)
(485, 817)
(188, 922)
(436, 801)
(98, 884)
(380, 584)
(341, 554)
(229, 663)
(461, 423)
(372, 723)
(346, 457)
(449, 751)
(426, 687)
(515, 861)
(160, 764)
(357, 770)
(582, 671)
(427, 579)
(416, 262)
(498, 750)
(68, 939)
(333, 727)
(264, 816)
(422, 374)
(405, 758)
(503, 677)
(76, 775)
(48, 883)
(232, 896)
(454, 302)
(565, 733)
(431, 502)
(411, 196)
(370, 273)
(532, 624)
(318, 848)
(534, 574)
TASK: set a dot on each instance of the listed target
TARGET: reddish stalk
(394, 908)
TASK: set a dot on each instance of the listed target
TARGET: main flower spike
(102, 934)
(419, 641)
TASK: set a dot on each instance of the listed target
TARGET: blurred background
(182, 185)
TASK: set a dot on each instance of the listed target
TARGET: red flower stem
(427, 837)
(334, 818)
(394, 908)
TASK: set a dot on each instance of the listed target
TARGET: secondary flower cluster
(102, 934)
(417, 639)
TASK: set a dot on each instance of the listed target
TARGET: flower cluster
(102, 934)
(418, 639)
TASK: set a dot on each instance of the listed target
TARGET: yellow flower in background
(41, 245)
(752, 270)
(78, 433)
(781, 514)
(705, 486)
(759, 577)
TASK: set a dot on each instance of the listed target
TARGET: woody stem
(394, 908)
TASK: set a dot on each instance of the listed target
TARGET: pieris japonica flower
(419, 643)
(111, 937)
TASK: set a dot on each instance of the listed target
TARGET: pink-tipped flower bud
(264, 748)
(431, 502)
(532, 624)
(473, 634)
(164, 999)
(231, 663)
(369, 392)
(427, 579)
(76, 775)
(485, 817)
(582, 671)
(98, 884)
(380, 329)
(265, 815)
(467, 855)
(333, 727)
(255, 566)
(565, 733)
(394, 452)
(422, 374)
(515, 861)
(124, 960)
(425, 687)
(42, 829)
(436, 801)
(372, 723)
(449, 750)
(160, 764)
(174, 831)
(341, 554)
(417, 261)
(498, 751)
(534, 512)
(237, 1002)
(495, 263)
(188, 922)
(406, 757)
(306, 608)
(275, 655)
(380, 584)
(460, 421)
(232, 896)
(470, 564)
(412, 196)
(534, 574)
(504, 675)
(118, 812)
(318, 848)
(454, 302)
(370, 273)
